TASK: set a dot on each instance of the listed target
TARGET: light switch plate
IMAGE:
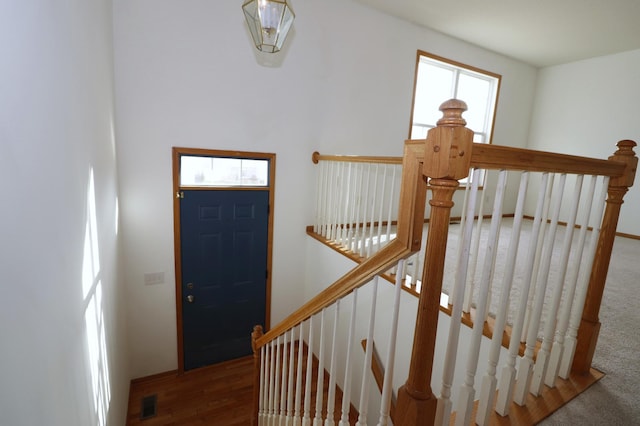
(151, 278)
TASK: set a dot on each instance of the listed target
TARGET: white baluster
(542, 358)
(335, 197)
(507, 379)
(363, 238)
(346, 388)
(316, 225)
(331, 397)
(374, 199)
(324, 230)
(359, 208)
(563, 321)
(465, 201)
(443, 410)
(261, 395)
(576, 316)
(317, 420)
(348, 199)
(341, 202)
(489, 381)
(351, 237)
(403, 272)
(272, 372)
(292, 361)
(366, 368)
(391, 204)
(306, 417)
(468, 295)
(536, 265)
(415, 270)
(333, 201)
(285, 368)
(336, 202)
(525, 372)
(467, 391)
(276, 392)
(297, 415)
(387, 384)
(382, 204)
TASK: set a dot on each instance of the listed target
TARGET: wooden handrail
(496, 157)
(407, 242)
(316, 157)
(509, 158)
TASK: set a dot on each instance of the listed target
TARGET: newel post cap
(448, 146)
(625, 154)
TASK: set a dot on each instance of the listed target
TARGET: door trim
(176, 153)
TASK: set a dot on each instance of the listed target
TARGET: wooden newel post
(447, 158)
(255, 335)
(590, 324)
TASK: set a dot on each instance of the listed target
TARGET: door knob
(190, 298)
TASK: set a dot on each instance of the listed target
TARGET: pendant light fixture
(269, 22)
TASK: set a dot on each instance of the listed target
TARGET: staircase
(357, 307)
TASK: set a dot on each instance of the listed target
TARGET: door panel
(223, 237)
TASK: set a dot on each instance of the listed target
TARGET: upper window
(222, 171)
(438, 80)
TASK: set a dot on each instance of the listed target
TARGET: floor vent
(148, 407)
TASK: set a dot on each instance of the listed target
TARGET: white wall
(187, 74)
(64, 357)
(585, 108)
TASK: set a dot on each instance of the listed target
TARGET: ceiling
(538, 32)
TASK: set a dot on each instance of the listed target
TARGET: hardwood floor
(219, 395)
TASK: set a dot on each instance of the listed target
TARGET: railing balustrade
(357, 201)
(528, 267)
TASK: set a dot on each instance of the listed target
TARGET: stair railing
(299, 325)
(444, 157)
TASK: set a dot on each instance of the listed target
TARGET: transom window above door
(223, 171)
(439, 79)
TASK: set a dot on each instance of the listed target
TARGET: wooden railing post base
(590, 324)
(586, 346)
(412, 411)
(255, 335)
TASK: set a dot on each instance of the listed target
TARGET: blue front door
(223, 241)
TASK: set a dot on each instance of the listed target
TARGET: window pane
(475, 92)
(255, 172)
(419, 132)
(221, 171)
(433, 87)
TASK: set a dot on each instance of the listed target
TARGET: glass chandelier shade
(269, 22)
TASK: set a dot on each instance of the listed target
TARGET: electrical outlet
(151, 278)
